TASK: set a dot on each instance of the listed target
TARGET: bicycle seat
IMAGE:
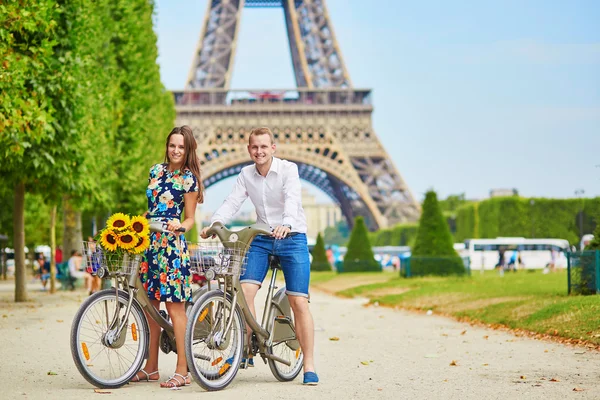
(274, 262)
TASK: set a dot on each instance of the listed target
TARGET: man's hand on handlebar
(280, 232)
(204, 233)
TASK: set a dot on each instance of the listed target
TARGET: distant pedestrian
(75, 271)
(95, 281)
(501, 261)
(43, 270)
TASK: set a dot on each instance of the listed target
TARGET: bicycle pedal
(283, 319)
(164, 314)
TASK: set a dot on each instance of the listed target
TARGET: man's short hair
(261, 131)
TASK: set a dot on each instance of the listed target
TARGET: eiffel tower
(324, 125)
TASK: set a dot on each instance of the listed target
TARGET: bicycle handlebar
(161, 227)
(244, 235)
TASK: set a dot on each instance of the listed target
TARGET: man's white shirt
(277, 197)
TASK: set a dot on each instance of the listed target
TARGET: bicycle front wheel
(285, 345)
(214, 352)
(106, 357)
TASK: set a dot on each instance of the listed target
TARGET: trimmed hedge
(360, 257)
(523, 217)
(319, 256)
(399, 235)
(434, 252)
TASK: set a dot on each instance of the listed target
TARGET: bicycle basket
(95, 256)
(222, 260)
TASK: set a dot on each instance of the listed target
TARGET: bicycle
(110, 333)
(216, 339)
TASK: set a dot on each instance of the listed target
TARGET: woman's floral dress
(165, 270)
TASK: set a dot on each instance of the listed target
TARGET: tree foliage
(434, 253)
(319, 256)
(337, 234)
(528, 217)
(399, 235)
(83, 113)
(359, 256)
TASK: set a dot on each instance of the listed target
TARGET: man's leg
(256, 271)
(305, 330)
(295, 263)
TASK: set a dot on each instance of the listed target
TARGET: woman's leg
(179, 319)
(152, 361)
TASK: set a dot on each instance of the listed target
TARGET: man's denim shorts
(293, 255)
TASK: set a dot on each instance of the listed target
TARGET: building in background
(318, 215)
(504, 192)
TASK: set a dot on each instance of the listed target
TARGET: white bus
(533, 253)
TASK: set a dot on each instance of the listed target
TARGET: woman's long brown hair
(191, 161)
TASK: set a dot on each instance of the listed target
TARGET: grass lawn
(523, 300)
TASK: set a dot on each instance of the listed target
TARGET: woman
(173, 187)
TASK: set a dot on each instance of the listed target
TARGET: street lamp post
(579, 193)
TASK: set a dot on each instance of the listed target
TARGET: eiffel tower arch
(324, 124)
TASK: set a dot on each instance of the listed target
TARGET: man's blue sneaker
(250, 362)
(310, 378)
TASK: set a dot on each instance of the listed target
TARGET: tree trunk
(19, 243)
(53, 250)
(72, 234)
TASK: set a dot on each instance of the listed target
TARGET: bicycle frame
(232, 287)
(132, 285)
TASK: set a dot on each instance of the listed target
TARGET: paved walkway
(380, 354)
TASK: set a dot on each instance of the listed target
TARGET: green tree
(83, 113)
(360, 257)
(404, 234)
(146, 111)
(595, 243)
(319, 256)
(337, 234)
(434, 252)
(27, 40)
(528, 217)
(453, 203)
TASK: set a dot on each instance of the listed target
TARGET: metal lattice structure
(324, 125)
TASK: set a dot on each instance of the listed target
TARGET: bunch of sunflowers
(125, 233)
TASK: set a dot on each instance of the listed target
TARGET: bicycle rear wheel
(285, 345)
(214, 355)
(107, 363)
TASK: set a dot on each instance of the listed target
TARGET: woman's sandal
(147, 379)
(175, 381)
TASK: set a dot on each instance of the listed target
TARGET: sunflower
(108, 240)
(118, 221)
(142, 244)
(126, 240)
(140, 225)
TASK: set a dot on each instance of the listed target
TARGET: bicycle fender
(283, 330)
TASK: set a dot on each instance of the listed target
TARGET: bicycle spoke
(108, 364)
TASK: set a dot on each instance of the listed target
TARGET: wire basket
(222, 260)
(95, 257)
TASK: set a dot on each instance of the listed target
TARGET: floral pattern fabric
(165, 270)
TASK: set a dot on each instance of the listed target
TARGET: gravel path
(380, 354)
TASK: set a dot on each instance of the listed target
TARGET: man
(273, 186)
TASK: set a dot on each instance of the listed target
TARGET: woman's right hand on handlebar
(175, 226)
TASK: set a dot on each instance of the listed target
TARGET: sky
(468, 95)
